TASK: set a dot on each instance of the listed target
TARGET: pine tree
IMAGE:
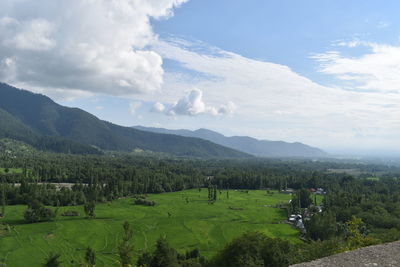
(164, 255)
(52, 260)
(89, 208)
(210, 193)
(215, 193)
(90, 257)
(125, 249)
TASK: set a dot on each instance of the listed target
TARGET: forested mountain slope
(36, 119)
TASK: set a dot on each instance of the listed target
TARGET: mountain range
(260, 148)
(38, 121)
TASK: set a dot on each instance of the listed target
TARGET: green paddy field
(193, 223)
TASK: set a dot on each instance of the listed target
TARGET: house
(299, 224)
(320, 191)
(297, 221)
(287, 191)
(294, 218)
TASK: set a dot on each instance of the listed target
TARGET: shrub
(70, 213)
(144, 202)
(37, 212)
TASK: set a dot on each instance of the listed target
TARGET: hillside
(262, 148)
(44, 124)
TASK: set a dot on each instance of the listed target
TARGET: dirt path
(385, 255)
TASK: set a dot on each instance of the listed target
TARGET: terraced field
(184, 217)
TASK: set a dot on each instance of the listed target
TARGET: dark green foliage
(210, 193)
(164, 255)
(144, 260)
(3, 198)
(11, 127)
(90, 257)
(89, 209)
(53, 260)
(253, 249)
(37, 212)
(37, 120)
(317, 249)
(322, 226)
(214, 193)
(125, 248)
(144, 202)
(302, 199)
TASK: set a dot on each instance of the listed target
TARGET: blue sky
(326, 73)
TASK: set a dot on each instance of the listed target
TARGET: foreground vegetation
(183, 223)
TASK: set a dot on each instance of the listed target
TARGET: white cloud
(134, 106)
(97, 46)
(158, 107)
(273, 101)
(30, 35)
(192, 104)
(376, 70)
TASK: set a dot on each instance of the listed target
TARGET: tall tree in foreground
(164, 255)
(53, 260)
(90, 257)
(125, 249)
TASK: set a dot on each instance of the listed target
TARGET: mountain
(262, 148)
(44, 124)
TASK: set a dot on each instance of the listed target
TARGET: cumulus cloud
(158, 107)
(97, 46)
(228, 108)
(192, 104)
(376, 70)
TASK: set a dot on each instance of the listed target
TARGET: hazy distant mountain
(247, 144)
(42, 123)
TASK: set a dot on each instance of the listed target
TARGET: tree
(215, 193)
(3, 198)
(90, 257)
(144, 259)
(302, 199)
(164, 255)
(322, 226)
(125, 248)
(52, 260)
(253, 249)
(355, 236)
(37, 212)
(89, 208)
(210, 193)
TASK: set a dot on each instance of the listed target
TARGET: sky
(325, 73)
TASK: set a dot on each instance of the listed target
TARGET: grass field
(193, 224)
(12, 170)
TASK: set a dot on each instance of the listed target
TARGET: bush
(37, 212)
(144, 202)
(70, 213)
